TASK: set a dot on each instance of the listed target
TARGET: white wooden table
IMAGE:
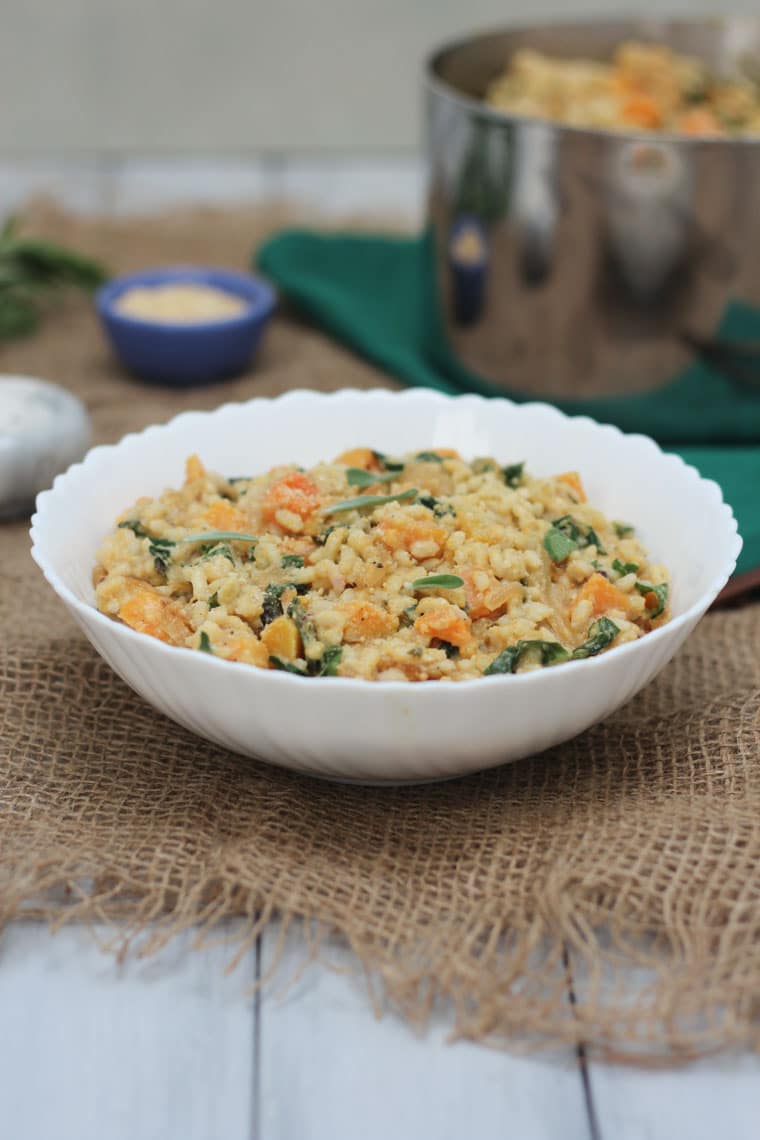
(170, 1048)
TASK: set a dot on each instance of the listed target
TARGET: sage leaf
(361, 502)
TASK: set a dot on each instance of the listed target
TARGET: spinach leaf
(439, 509)
(204, 644)
(438, 582)
(213, 601)
(160, 551)
(272, 607)
(661, 594)
(304, 623)
(136, 527)
(601, 633)
(623, 568)
(387, 463)
(558, 545)
(287, 666)
(326, 666)
(451, 651)
(551, 653)
(212, 549)
(581, 534)
(622, 530)
(361, 502)
(330, 661)
(357, 477)
(429, 457)
(295, 560)
(158, 548)
(513, 474)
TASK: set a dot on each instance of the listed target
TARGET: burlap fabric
(627, 860)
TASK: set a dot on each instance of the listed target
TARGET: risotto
(645, 86)
(416, 568)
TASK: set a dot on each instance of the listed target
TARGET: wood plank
(161, 1049)
(709, 1099)
(715, 1097)
(330, 1070)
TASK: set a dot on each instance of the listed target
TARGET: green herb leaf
(217, 536)
(407, 616)
(213, 549)
(513, 474)
(323, 535)
(481, 465)
(292, 560)
(160, 551)
(239, 478)
(551, 653)
(361, 502)
(136, 527)
(622, 530)
(451, 651)
(558, 545)
(439, 509)
(601, 633)
(303, 621)
(287, 666)
(438, 582)
(357, 477)
(213, 601)
(331, 660)
(204, 644)
(660, 592)
(158, 548)
(429, 457)
(623, 568)
(579, 532)
(31, 270)
(388, 463)
(272, 607)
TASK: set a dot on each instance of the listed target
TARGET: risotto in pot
(417, 568)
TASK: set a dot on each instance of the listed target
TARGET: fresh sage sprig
(216, 536)
(437, 582)
(361, 502)
(32, 270)
(358, 477)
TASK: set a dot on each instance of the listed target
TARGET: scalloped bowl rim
(423, 691)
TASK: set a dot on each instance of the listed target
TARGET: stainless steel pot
(574, 262)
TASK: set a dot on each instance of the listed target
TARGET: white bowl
(388, 731)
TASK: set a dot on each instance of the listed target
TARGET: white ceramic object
(43, 429)
(388, 731)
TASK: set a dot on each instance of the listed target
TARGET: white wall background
(115, 104)
(235, 76)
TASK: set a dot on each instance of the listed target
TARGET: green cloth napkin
(377, 295)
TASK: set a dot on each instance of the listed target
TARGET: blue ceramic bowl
(181, 355)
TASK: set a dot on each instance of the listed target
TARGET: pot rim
(660, 26)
